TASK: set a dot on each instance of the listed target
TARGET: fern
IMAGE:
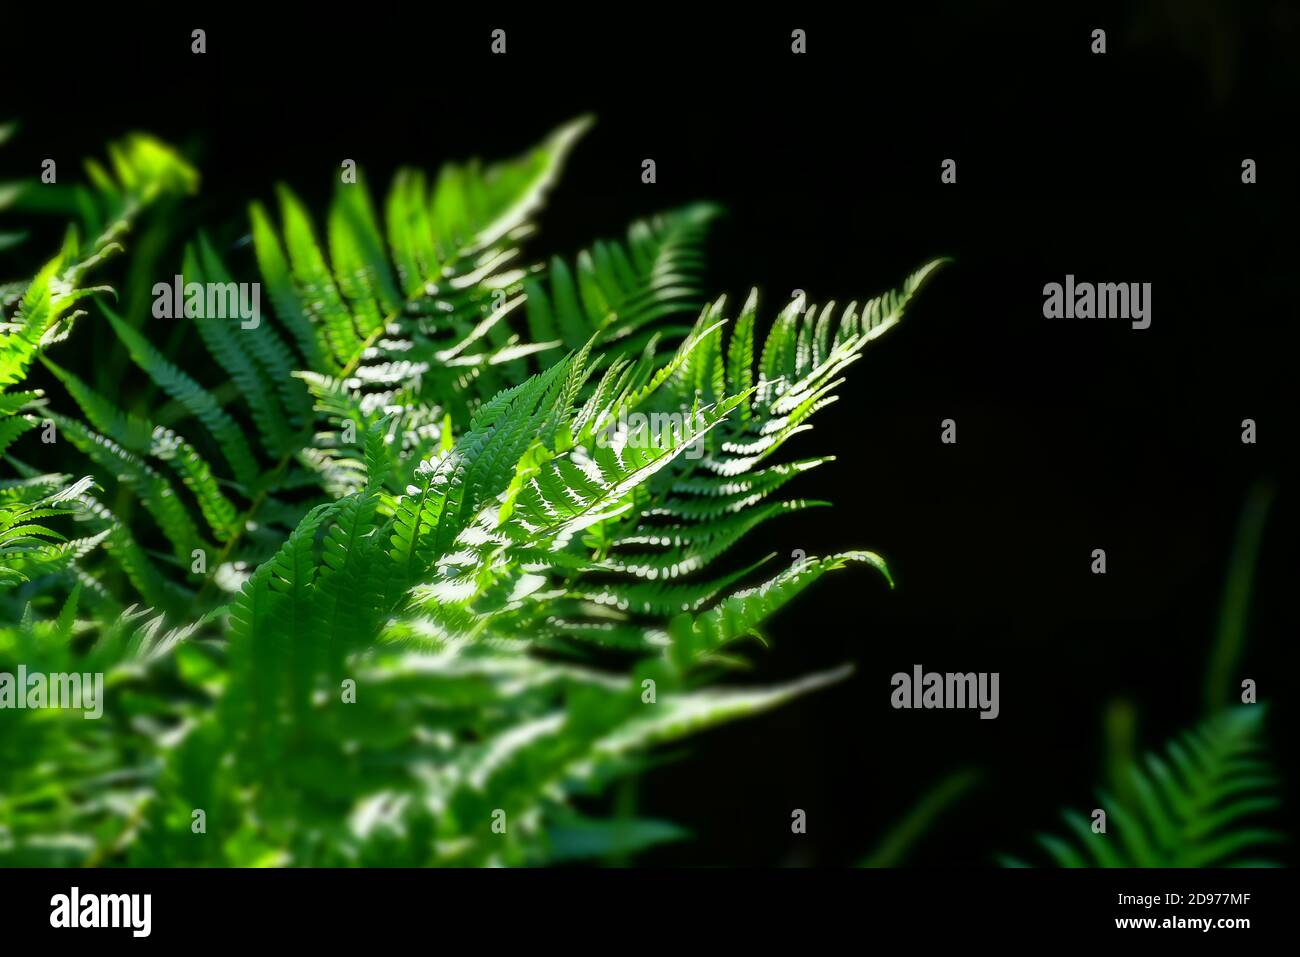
(410, 564)
(28, 547)
(1197, 805)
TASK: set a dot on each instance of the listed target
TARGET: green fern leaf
(1199, 806)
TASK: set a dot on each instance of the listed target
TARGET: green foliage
(28, 547)
(1234, 607)
(899, 839)
(438, 549)
(1197, 805)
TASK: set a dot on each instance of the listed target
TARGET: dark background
(1073, 435)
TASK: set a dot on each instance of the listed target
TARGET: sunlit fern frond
(439, 536)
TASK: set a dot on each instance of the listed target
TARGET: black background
(1073, 435)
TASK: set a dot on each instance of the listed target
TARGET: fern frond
(142, 437)
(27, 547)
(197, 400)
(1199, 804)
(153, 490)
(443, 240)
(256, 358)
(742, 614)
(617, 290)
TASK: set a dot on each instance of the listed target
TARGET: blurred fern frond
(1199, 804)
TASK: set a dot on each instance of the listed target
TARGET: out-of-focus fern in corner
(1200, 804)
